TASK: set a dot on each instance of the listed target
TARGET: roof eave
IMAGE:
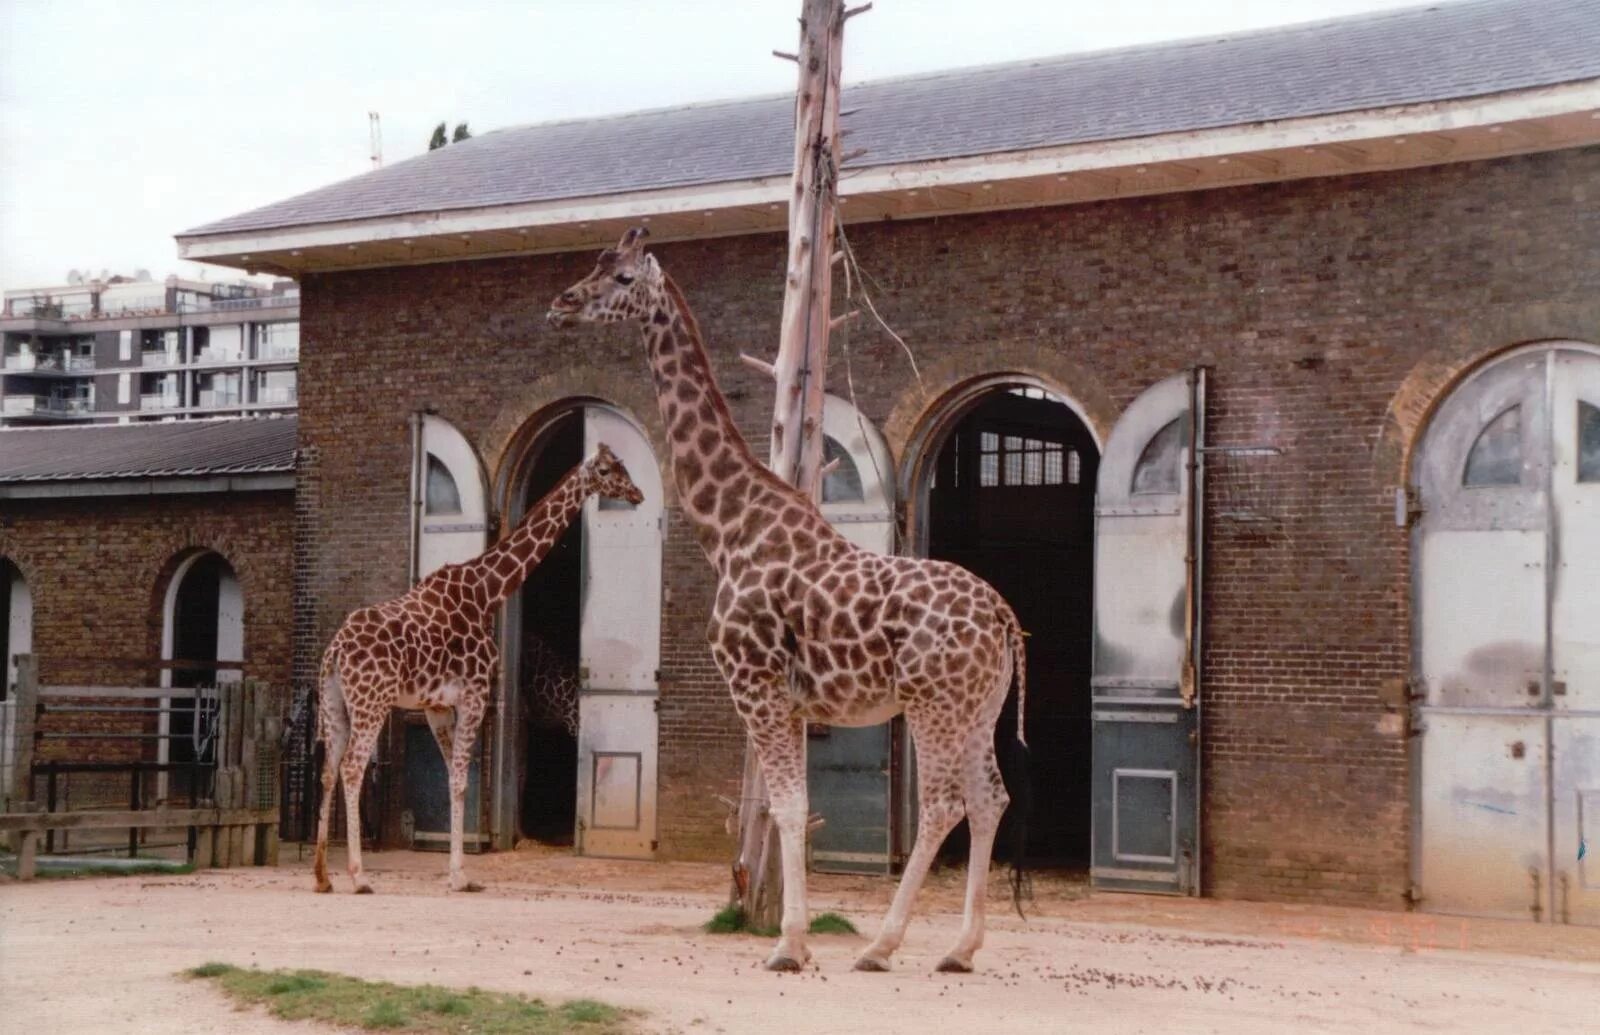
(72, 488)
(1408, 136)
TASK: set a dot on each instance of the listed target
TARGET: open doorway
(547, 663)
(204, 622)
(1011, 499)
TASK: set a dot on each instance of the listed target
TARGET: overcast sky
(122, 123)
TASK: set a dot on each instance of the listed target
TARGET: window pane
(1052, 464)
(1157, 469)
(1588, 443)
(843, 484)
(989, 469)
(989, 442)
(1033, 468)
(1496, 458)
(443, 497)
(1074, 468)
(1013, 469)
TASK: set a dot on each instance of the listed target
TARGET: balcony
(28, 362)
(231, 305)
(160, 401)
(209, 398)
(46, 406)
(279, 395)
(278, 353)
(149, 305)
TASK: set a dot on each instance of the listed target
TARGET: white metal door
(1508, 555)
(449, 498)
(1145, 739)
(847, 768)
(1575, 637)
(1480, 621)
(619, 650)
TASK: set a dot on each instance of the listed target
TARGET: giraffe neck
(506, 565)
(712, 465)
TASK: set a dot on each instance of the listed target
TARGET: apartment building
(132, 349)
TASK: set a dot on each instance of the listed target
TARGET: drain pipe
(418, 482)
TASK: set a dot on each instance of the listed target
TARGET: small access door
(848, 767)
(1146, 772)
(619, 651)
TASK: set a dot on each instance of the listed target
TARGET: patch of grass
(48, 868)
(377, 1005)
(731, 919)
(832, 923)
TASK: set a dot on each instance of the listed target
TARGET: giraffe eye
(623, 278)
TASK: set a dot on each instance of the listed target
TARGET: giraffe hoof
(324, 888)
(470, 885)
(785, 964)
(872, 965)
(951, 965)
(364, 889)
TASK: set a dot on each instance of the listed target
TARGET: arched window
(16, 621)
(442, 495)
(1496, 456)
(843, 483)
(1588, 443)
(1157, 469)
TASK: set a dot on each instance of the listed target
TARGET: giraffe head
(604, 475)
(625, 285)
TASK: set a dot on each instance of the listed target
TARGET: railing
(29, 361)
(219, 356)
(232, 814)
(207, 397)
(229, 305)
(277, 396)
(278, 352)
(147, 305)
(29, 405)
(160, 401)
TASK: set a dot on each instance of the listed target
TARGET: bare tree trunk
(801, 374)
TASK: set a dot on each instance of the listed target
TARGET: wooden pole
(800, 371)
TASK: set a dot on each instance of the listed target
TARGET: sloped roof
(1449, 51)
(249, 445)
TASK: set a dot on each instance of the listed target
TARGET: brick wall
(1314, 303)
(98, 569)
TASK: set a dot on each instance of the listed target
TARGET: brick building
(145, 541)
(1242, 366)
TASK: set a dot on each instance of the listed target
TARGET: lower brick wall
(98, 569)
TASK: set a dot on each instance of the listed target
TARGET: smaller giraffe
(434, 648)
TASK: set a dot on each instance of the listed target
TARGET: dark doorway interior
(549, 652)
(194, 638)
(8, 574)
(1013, 501)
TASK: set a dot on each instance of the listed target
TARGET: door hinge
(655, 705)
(1413, 896)
(1537, 908)
(1407, 506)
(655, 846)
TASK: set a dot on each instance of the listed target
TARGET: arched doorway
(16, 637)
(583, 645)
(1507, 567)
(202, 622)
(1009, 494)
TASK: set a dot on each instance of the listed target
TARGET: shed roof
(171, 449)
(1448, 51)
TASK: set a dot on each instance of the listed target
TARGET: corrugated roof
(1467, 48)
(249, 445)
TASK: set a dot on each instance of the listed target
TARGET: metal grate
(1241, 486)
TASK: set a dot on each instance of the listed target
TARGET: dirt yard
(103, 954)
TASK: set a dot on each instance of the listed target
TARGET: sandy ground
(103, 954)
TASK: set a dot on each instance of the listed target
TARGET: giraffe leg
(335, 724)
(987, 799)
(938, 790)
(357, 755)
(781, 746)
(459, 761)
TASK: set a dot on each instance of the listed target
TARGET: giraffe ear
(651, 269)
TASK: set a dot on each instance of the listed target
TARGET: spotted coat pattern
(806, 626)
(434, 648)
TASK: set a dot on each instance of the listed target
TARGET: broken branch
(758, 364)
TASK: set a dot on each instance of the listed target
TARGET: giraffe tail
(1022, 801)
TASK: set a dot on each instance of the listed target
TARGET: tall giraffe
(808, 626)
(434, 648)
